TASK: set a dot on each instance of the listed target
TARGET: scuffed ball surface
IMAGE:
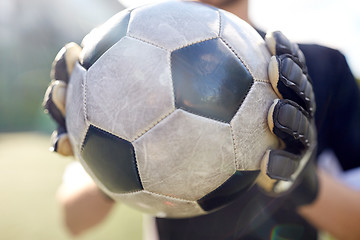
(167, 107)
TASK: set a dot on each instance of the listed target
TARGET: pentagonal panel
(209, 80)
(252, 136)
(159, 205)
(174, 24)
(247, 43)
(129, 88)
(75, 112)
(112, 160)
(100, 39)
(236, 185)
(185, 156)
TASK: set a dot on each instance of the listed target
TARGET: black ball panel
(104, 38)
(112, 160)
(236, 185)
(209, 80)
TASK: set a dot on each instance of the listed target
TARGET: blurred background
(32, 32)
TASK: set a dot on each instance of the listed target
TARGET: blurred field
(30, 175)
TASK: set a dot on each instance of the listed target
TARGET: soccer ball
(167, 107)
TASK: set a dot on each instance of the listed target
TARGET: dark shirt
(256, 216)
(338, 104)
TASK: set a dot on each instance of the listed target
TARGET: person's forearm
(336, 209)
(83, 207)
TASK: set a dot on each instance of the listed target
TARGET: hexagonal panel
(185, 156)
(209, 80)
(75, 112)
(129, 89)
(174, 24)
(159, 205)
(112, 160)
(100, 39)
(247, 43)
(252, 136)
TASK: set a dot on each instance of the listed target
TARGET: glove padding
(290, 118)
(55, 96)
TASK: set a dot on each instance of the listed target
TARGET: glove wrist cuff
(307, 190)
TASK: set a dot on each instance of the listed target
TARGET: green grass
(30, 176)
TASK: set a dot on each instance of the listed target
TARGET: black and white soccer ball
(167, 107)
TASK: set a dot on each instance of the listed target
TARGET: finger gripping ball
(167, 107)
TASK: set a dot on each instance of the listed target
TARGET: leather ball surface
(167, 107)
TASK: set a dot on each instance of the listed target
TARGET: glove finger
(290, 123)
(290, 82)
(61, 142)
(264, 180)
(277, 166)
(64, 62)
(278, 44)
(58, 95)
(281, 164)
(54, 101)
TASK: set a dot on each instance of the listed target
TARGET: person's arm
(84, 205)
(336, 209)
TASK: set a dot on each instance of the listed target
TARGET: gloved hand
(291, 119)
(55, 96)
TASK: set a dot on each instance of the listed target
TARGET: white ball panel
(252, 135)
(158, 205)
(173, 25)
(185, 156)
(246, 43)
(75, 113)
(129, 89)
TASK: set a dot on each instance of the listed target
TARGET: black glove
(291, 168)
(55, 96)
